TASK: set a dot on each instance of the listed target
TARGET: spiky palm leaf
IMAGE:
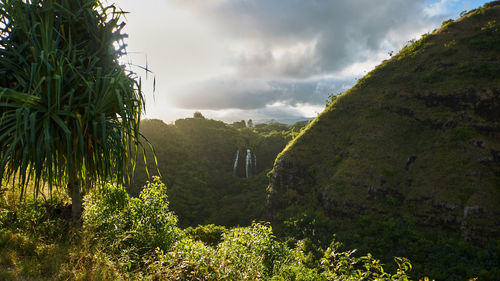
(69, 112)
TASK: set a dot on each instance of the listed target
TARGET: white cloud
(439, 8)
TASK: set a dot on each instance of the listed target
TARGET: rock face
(419, 136)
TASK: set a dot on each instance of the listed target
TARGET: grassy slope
(438, 100)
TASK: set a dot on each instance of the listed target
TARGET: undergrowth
(125, 238)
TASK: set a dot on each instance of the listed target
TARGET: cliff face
(418, 137)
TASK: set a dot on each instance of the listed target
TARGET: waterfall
(248, 164)
(254, 163)
(235, 165)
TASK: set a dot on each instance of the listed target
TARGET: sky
(266, 59)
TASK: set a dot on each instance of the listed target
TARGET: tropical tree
(69, 112)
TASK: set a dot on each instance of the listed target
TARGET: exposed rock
(286, 175)
(465, 231)
(410, 161)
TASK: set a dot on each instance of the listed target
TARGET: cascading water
(248, 163)
(235, 165)
(254, 163)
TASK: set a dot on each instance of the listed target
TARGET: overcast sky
(267, 59)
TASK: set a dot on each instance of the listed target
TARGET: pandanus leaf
(67, 107)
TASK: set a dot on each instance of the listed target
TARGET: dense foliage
(438, 253)
(406, 162)
(69, 112)
(131, 228)
(138, 239)
(196, 160)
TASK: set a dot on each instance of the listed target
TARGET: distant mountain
(288, 121)
(409, 158)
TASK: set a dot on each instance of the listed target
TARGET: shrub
(250, 253)
(154, 225)
(131, 227)
(141, 236)
(447, 23)
(245, 253)
(188, 260)
(107, 213)
(345, 266)
(209, 234)
(38, 218)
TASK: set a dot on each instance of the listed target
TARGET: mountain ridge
(418, 136)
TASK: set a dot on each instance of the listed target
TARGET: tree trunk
(76, 200)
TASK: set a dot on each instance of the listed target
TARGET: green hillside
(409, 155)
(196, 161)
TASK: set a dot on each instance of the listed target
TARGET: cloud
(303, 39)
(281, 52)
(439, 8)
(217, 94)
(280, 113)
(234, 59)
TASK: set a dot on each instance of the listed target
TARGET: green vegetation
(433, 251)
(404, 164)
(196, 160)
(127, 238)
(407, 162)
(69, 112)
(331, 98)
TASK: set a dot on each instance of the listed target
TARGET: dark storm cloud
(280, 47)
(253, 94)
(335, 33)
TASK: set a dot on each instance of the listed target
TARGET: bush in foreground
(127, 238)
(141, 235)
